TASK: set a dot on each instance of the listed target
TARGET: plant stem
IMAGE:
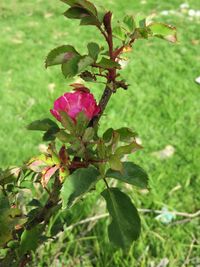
(106, 183)
(52, 201)
(111, 72)
(102, 104)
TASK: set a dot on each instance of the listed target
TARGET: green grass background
(162, 104)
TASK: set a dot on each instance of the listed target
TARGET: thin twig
(187, 260)
(104, 215)
(87, 220)
(177, 213)
(106, 183)
(180, 221)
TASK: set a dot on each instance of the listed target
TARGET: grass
(162, 104)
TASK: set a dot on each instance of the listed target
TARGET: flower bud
(75, 102)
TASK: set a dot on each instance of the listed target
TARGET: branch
(102, 104)
(111, 72)
(52, 201)
(104, 215)
(177, 213)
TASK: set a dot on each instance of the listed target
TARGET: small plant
(34, 198)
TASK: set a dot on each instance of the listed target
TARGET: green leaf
(81, 123)
(29, 240)
(140, 21)
(77, 184)
(119, 33)
(129, 23)
(67, 122)
(125, 226)
(8, 176)
(64, 137)
(101, 149)
(128, 149)
(50, 135)
(70, 68)
(108, 135)
(163, 31)
(82, 3)
(9, 218)
(42, 125)
(141, 33)
(131, 174)
(63, 174)
(88, 6)
(126, 134)
(69, 2)
(60, 55)
(88, 76)
(88, 134)
(90, 20)
(84, 62)
(115, 163)
(108, 63)
(34, 203)
(93, 50)
(76, 13)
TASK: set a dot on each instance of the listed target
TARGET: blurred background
(161, 104)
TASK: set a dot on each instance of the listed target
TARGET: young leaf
(70, 68)
(77, 184)
(141, 33)
(131, 174)
(126, 134)
(108, 63)
(63, 174)
(60, 55)
(93, 50)
(88, 76)
(64, 137)
(66, 121)
(101, 149)
(108, 135)
(37, 165)
(163, 31)
(47, 173)
(42, 125)
(88, 134)
(129, 23)
(84, 62)
(125, 225)
(128, 149)
(81, 123)
(115, 163)
(119, 33)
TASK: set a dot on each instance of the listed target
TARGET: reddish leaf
(47, 173)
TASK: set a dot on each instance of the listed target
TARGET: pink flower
(74, 102)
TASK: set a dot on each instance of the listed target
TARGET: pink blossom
(75, 102)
